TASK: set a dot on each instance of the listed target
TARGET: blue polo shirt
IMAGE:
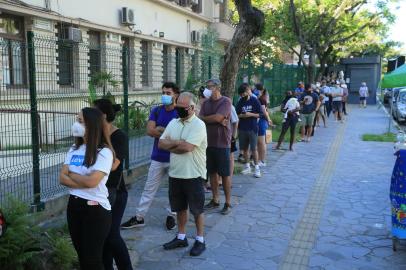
(162, 118)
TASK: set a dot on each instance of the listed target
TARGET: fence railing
(44, 82)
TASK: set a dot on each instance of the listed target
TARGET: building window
(145, 65)
(65, 57)
(94, 53)
(13, 53)
(165, 62)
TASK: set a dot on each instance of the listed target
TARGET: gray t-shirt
(218, 135)
(337, 91)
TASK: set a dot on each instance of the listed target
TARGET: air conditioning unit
(127, 16)
(158, 45)
(195, 36)
(190, 51)
(218, 1)
(72, 34)
(194, 2)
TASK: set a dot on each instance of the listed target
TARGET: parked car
(399, 106)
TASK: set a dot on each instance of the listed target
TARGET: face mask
(182, 112)
(166, 100)
(207, 93)
(318, 84)
(78, 130)
(246, 98)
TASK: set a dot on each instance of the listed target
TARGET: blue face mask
(166, 100)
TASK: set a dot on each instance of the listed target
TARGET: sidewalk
(324, 206)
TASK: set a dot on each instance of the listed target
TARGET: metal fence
(45, 81)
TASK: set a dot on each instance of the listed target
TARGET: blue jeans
(115, 247)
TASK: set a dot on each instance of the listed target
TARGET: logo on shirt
(77, 160)
(308, 100)
(247, 108)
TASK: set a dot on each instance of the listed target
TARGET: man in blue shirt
(249, 110)
(299, 89)
(158, 120)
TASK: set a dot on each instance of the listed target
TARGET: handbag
(268, 136)
(113, 191)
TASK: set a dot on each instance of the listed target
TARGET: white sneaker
(261, 164)
(257, 173)
(247, 170)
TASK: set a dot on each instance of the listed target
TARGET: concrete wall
(362, 69)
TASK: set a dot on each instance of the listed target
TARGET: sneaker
(197, 248)
(226, 209)
(133, 223)
(257, 173)
(261, 164)
(247, 170)
(211, 205)
(240, 158)
(170, 223)
(176, 243)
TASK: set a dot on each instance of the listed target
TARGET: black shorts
(233, 146)
(362, 98)
(218, 161)
(337, 106)
(184, 193)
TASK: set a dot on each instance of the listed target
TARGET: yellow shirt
(191, 164)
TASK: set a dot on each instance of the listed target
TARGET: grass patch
(386, 137)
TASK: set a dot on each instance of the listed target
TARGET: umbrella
(396, 78)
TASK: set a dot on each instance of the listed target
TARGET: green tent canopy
(396, 78)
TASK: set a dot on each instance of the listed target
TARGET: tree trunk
(311, 67)
(251, 24)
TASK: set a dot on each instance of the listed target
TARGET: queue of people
(194, 146)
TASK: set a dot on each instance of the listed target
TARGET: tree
(321, 29)
(250, 25)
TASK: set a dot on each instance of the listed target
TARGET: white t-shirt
(337, 91)
(363, 91)
(104, 162)
(233, 116)
(291, 105)
(324, 91)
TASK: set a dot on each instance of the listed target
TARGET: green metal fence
(46, 80)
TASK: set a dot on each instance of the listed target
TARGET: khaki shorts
(307, 119)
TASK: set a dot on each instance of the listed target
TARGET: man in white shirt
(337, 93)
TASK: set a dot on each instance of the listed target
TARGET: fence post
(125, 101)
(36, 205)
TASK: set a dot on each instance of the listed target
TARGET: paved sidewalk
(324, 206)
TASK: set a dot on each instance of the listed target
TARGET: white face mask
(78, 130)
(318, 84)
(207, 93)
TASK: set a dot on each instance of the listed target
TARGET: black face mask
(246, 98)
(182, 112)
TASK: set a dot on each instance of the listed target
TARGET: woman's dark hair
(95, 136)
(201, 90)
(242, 88)
(308, 86)
(172, 85)
(108, 108)
(259, 86)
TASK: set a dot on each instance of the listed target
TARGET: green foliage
(138, 114)
(212, 53)
(386, 137)
(27, 246)
(20, 242)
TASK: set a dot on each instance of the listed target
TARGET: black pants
(329, 106)
(89, 226)
(115, 247)
(344, 108)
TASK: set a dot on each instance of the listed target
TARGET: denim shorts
(262, 127)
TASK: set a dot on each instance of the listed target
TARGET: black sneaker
(211, 205)
(133, 223)
(176, 243)
(197, 248)
(170, 222)
(226, 209)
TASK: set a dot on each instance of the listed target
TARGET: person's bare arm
(214, 118)
(167, 144)
(65, 180)
(153, 130)
(88, 181)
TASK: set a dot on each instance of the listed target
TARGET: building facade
(75, 41)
